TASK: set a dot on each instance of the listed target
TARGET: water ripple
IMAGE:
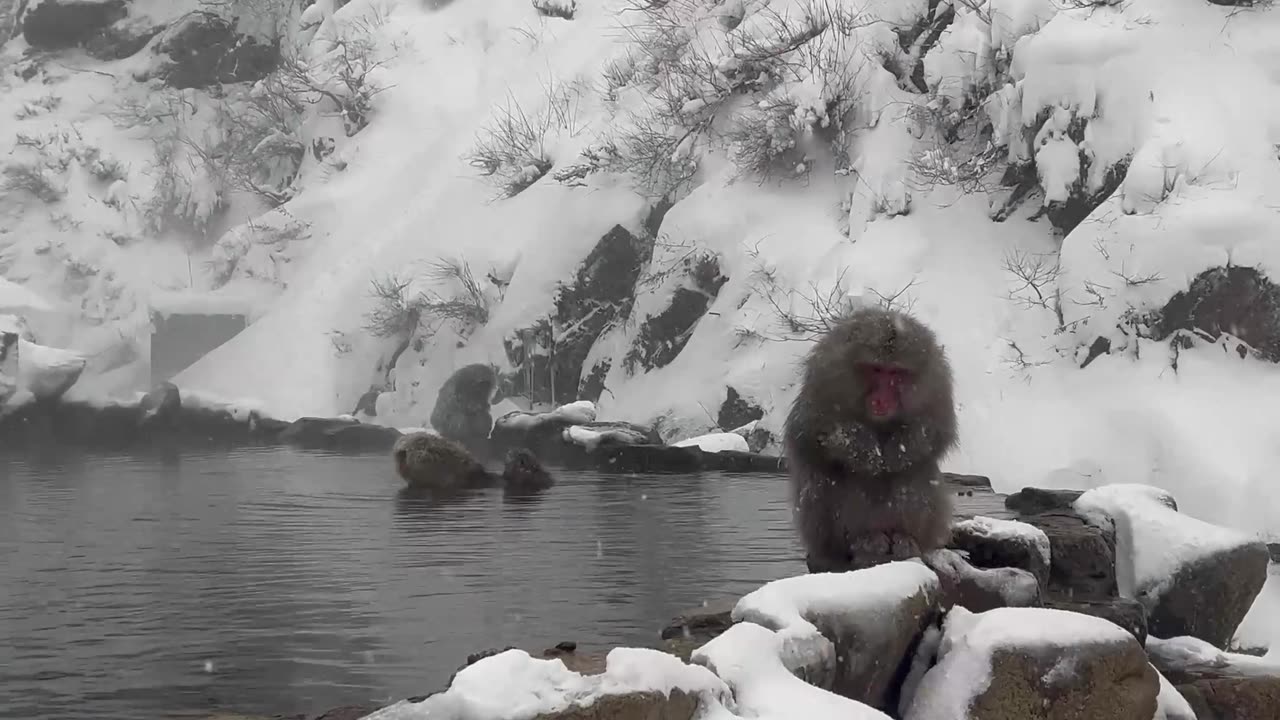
(278, 581)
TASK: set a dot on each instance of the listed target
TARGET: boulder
(851, 633)
(1218, 685)
(203, 48)
(993, 543)
(161, 405)
(1194, 578)
(461, 411)
(982, 589)
(708, 620)
(1127, 613)
(732, 461)
(1035, 664)
(758, 664)
(339, 434)
(1033, 501)
(60, 24)
(635, 684)
(1082, 560)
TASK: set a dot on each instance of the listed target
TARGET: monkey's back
(428, 460)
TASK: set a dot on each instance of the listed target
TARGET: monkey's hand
(858, 448)
(906, 446)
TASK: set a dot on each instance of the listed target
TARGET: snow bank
(716, 442)
(532, 686)
(15, 298)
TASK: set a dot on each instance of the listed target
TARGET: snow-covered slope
(1184, 93)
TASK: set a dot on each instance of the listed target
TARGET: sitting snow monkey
(874, 416)
(430, 462)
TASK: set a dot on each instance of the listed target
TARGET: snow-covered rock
(1035, 663)
(1212, 683)
(982, 589)
(993, 543)
(752, 662)
(847, 632)
(1195, 578)
(716, 442)
(45, 372)
(636, 684)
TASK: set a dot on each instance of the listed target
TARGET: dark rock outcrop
(122, 39)
(1032, 501)
(737, 411)
(61, 24)
(550, 358)
(1240, 301)
(661, 337)
(1083, 556)
(203, 48)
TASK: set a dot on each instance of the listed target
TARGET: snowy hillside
(420, 183)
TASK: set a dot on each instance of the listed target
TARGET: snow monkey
(863, 439)
(430, 462)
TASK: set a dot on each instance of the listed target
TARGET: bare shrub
(511, 150)
(32, 178)
(342, 77)
(396, 313)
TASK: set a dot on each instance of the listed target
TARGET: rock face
(1194, 578)
(60, 24)
(1241, 301)
(461, 411)
(1042, 664)
(661, 337)
(600, 296)
(851, 633)
(203, 48)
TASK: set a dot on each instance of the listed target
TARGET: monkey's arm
(910, 445)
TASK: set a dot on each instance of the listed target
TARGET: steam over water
(278, 581)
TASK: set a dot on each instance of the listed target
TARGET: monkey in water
(863, 439)
(430, 462)
(523, 474)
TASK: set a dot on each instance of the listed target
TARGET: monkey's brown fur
(431, 462)
(523, 473)
(867, 489)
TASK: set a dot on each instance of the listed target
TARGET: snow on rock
(1195, 578)
(1170, 703)
(749, 658)
(847, 632)
(993, 543)
(1004, 663)
(575, 413)
(47, 372)
(598, 434)
(716, 442)
(1215, 684)
(512, 685)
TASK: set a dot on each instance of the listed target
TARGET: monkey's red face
(886, 385)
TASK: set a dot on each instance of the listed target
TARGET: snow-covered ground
(1189, 89)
